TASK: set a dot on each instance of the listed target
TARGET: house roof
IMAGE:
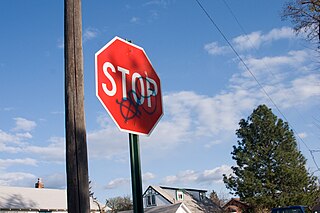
(35, 199)
(182, 188)
(161, 192)
(173, 208)
(32, 198)
(193, 205)
(235, 202)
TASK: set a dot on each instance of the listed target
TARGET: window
(179, 195)
(201, 195)
(151, 200)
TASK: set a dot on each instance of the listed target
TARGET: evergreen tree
(270, 170)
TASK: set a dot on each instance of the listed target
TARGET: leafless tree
(305, 16)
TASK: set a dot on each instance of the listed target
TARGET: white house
(194, 199)
(36, 200)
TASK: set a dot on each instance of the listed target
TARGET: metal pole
(136, 173)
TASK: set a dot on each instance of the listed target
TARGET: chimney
(39, 184)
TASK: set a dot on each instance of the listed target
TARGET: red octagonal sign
(128, 87)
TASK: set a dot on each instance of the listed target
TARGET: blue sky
(206, 89)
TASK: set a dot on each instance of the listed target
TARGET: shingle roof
(164, 193)
(32, 198)
(206, 205)
(186, 189)
(164, 209)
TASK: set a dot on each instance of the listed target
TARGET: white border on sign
(96, 82)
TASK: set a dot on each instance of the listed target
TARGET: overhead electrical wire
(267, 68)
(252, 74)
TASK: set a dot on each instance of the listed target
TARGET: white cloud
(55, 180)
(5, 163)
(289, 80)
(190, 177)
(60, 43)
(214, 175)
(17, 179)
(214, 49)
(185, 177)
(148, 176)
(26, 135)
(190, 117)
(107, 142)
(134, 19)
(9, 149)
(299, 91)
(125, 182)
(55, 151)
(12, 143)
(255, 39)
(307, 86)
(16, 143)
(6, 137)
(302, 135)
(163, 3)
(57, 112)
(89, 33)
(8, 109)
(275, 64)
(172, 179)
(19, 143)
(251, 41)
(23, 124)
(118, 182)
(277, 34)
(212, 143)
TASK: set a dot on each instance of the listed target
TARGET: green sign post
(136, 179)
(129, 89)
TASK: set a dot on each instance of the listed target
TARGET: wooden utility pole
(76, 145)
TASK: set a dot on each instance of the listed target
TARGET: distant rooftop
(187, 189)
(22, 198)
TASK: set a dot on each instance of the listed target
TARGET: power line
(240, 58)
(267, 68)
(254, 77)
(248, 38)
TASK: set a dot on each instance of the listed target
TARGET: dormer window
(151, 200)
(202, 195)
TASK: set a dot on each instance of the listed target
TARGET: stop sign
(128, 87)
